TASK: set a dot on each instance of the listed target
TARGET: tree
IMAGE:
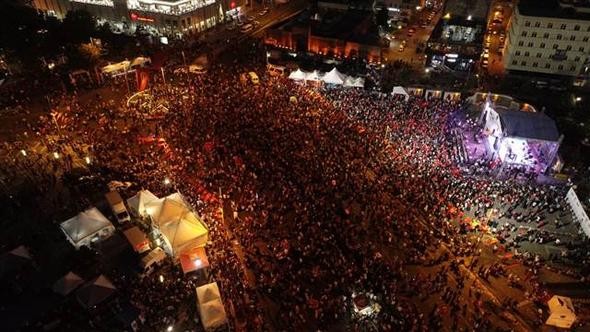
(78, 26)
(89, 52)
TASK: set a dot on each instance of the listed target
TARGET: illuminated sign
(136, 17)
(232, 5)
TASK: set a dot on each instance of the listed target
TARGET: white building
(549, 37)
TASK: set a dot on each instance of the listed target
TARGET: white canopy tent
(138, 202)
(562, 312)
(116, 68)
(398, 90)
(334, 77)
(210, 306)
(313, 76)
(354, 82)
(87, 227)
(66, 284)
(181, 227)
(298, 75)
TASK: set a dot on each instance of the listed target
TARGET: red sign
(136, 17)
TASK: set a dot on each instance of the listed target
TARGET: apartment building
(549, 37)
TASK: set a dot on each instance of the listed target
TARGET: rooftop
(477, 9)
(531, 125)
(352, 25)
(566, 9)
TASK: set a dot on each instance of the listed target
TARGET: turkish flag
(143, 79)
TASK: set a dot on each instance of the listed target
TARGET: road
(494, 35)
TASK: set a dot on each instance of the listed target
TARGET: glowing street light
(56, 155)
(166, 181)
(169, 329)
(469, 18)
(427, 70)
(23, 152)
(87, 159)
(578, 99)
(161, 278)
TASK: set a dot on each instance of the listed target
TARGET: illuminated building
(168, 15)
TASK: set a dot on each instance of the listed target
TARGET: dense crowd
(335, 192)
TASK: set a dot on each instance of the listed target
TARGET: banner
(578, 211)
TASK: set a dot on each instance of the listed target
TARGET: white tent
(138, 203)
(210, 306)
(334, 77)
(95, 292)
(398, 90)
(297, 75)
(140, 62)
(181, 227)
(87, 227)
(562, 312)
(116, 67)
(349, 81)
(66, 284)
(313, 76)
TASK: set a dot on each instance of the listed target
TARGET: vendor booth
(210, 307)
(87, 227)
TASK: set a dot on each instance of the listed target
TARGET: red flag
(143, 78)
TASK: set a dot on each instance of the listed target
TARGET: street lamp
(161, 278)
(427, 70)
(169, 329)
(23, 152)
(578, 99)
(87, 159)
(166, 181)
(56, 155)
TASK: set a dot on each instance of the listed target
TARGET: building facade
(167, 15)
(554, 40)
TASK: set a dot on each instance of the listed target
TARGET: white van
(117, 206)
(150, 260)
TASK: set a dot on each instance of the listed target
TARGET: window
(514, 62)
(577, 28)
(547, 65)
(537, 24)
(534, 34)
(563, 26)
(517, 53)
(560, 67)
(546, 35)
(520, 43)
(523, 34)
(535, 65)
(588, 29)
(549, 25)
(585, 39)
(573, 68)
(527, 24)
(530, 44)
(542, 45)
(554, 46)
(527, 53)
(559, 37)
(569, 47)
(577, 59)
(539, 55)
(572, 37)
(581, 49)
(523, 63)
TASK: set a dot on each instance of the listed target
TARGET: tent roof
(212, 314)
(334, 77)
(210, 306)
(85, 224)
(177, 222)
(66, 284)
(532, 125)
(21, 251)
(298, 75)
(140, 60)
(138, 201)
(95, 292)
(208, 292)
(399, 90)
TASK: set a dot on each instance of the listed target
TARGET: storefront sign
(136, 17)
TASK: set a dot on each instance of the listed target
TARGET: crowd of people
(332, 193)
